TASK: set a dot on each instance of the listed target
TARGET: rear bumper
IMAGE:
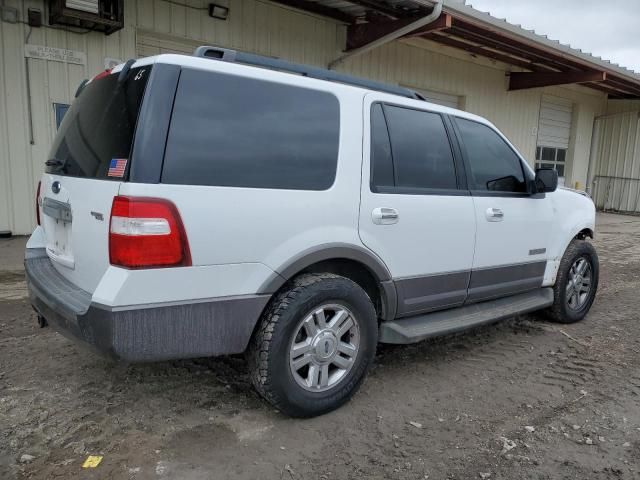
(142, 333)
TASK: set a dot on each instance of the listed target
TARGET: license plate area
(58, 220)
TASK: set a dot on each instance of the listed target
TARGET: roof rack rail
(227, 55)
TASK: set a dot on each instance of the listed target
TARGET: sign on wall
(55, 54)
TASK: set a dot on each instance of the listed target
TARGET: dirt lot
(522, 399)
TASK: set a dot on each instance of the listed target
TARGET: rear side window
(494, 165)
(242, 132)
(419, 153)
(96, 134)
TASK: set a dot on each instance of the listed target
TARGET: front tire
(314, 345)
(576, 283)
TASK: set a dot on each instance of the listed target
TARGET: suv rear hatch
(88, 161)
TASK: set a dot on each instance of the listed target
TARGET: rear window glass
(382, 174)
(411, 150)
(96, 134)
(243, 132)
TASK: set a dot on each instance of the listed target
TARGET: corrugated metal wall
(261, 27)
(616, 162)
(22, 157)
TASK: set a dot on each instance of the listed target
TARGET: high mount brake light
(147, 232)
(104, 73)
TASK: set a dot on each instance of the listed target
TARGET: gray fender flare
(335, 251)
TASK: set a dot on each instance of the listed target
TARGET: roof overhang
(546, 62)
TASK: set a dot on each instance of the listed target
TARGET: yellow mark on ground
(92, 461)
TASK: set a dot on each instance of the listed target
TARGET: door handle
(494, 215)
(384, 216)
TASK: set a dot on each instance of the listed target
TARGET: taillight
(147, 232)
(38, 202)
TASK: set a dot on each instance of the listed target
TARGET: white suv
(226, 203)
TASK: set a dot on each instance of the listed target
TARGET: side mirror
(546, 180)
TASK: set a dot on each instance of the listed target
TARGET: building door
(554, 132)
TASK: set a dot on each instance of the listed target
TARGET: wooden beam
(385, 8)
(362, 34)
(491, 37)
(318, 9)
(603, 88)
(522, 80)
(623, 85)
(509, 47)
(625, 97)
(484, 52)
(443, 22)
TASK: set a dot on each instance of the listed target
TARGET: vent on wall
(105, 16)
(90, 6)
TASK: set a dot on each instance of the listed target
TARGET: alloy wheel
(579, 283)
(324, 347)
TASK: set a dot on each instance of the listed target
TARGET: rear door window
(382, 171)
(96, 134)
(236, 131)
(410, 149)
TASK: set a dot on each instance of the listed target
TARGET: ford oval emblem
(55, 187)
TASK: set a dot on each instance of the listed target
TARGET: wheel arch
(356, 263)
(584, 233)
(580, 232)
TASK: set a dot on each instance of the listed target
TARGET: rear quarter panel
(267, 227)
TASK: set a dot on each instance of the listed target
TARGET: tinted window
(381, 160)
(494, 165)
(420, 149)
(99, 128)
(242, 132)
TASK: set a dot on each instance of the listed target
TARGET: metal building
(548, 98)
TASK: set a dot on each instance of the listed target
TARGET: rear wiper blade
(124, 73)
(57, 164)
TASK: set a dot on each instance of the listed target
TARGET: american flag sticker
(117, 167)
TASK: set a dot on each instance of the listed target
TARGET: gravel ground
(522, 399)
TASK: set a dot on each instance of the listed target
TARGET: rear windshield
(96, 135)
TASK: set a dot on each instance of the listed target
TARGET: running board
(420, 327)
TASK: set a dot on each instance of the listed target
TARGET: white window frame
(540, 163)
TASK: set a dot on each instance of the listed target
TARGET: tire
(567, 308)
(288, 320)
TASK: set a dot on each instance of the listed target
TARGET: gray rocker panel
(446, 290)
(496, 282)
(422, 294)
(420, 327)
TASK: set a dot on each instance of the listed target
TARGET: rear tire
(314, 345)
(576, 283)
